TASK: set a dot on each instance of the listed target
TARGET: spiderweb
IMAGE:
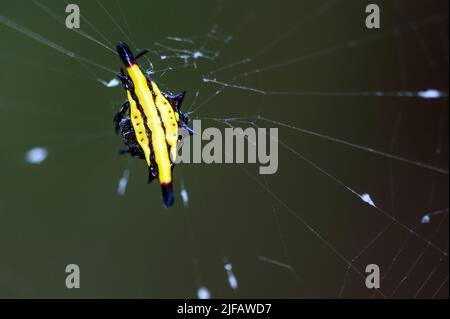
(363, 151)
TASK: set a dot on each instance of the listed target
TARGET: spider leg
(189, 129)
(183, 123)
(123, 150)
(175, 99)
(126, 81)
(141, 54)
(118, 117)
(133, 151)
(122, 76)
(183, 118)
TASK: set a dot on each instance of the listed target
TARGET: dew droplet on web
(110, 84)
(184, 197)
(430, 94)
(426, 219)
(123, 182)
(366, 198)
(203, 293)
(197, 54)
(36, 155)
(232, 280)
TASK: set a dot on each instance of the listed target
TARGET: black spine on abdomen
(125, 54)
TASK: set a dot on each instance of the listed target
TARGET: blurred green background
(66, 210)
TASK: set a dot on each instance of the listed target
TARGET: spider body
(149, 122)
(129, 138)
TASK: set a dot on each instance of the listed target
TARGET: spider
(149, 122)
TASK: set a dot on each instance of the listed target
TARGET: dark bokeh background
(67, 211)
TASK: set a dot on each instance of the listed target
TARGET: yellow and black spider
(149, 122)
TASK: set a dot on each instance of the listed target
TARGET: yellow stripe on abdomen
(145, 98)
(169, 119)
(139, 127)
